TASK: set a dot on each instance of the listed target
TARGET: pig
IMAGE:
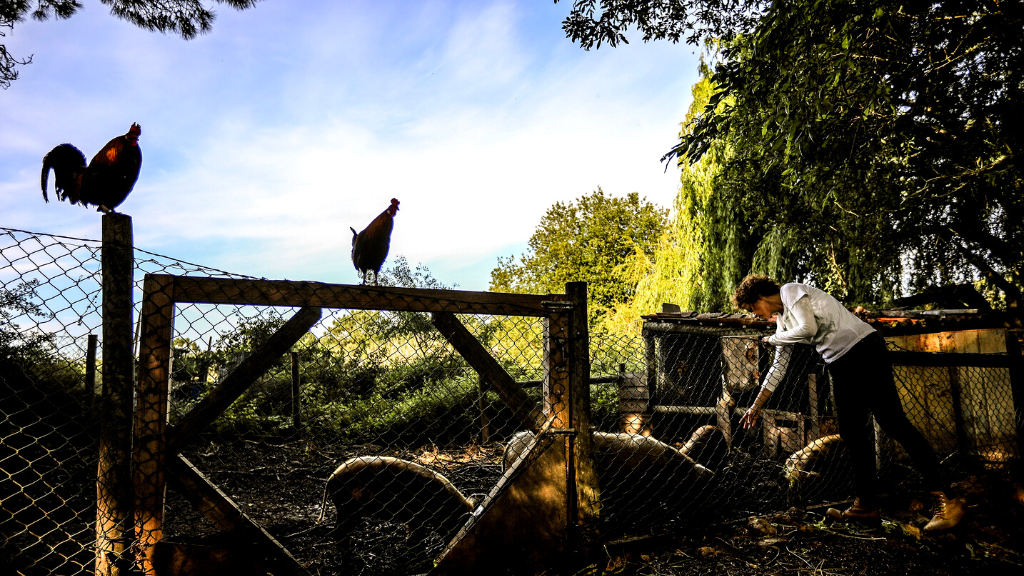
(707, 445)
(639, 476)
(821, 464)
(385, 488)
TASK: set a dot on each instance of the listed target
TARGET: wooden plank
(149, 479)
(525, 409)
(318, 294)
(814, 429)
(520, 527)
(92, 388)
(556, 370)
(1016, 384)
(654, 392)
(701, 410)
(930, 359)
(239, 380)
(296, 393)
(114, 498)
(963, 443)
(227, 516)
(634, 403)
(595, 380)
(583, 483)
(485, 422)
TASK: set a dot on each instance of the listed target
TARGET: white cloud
(264, 141)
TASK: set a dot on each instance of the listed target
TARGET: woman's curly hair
(751, 289)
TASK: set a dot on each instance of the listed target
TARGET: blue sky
(264, 140)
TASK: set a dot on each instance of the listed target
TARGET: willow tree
(695, 257)
(873, 145)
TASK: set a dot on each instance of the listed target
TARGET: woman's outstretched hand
(749, 419)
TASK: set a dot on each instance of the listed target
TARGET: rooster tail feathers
(42, 180)
(67, 163)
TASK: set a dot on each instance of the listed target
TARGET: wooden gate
(558, 497)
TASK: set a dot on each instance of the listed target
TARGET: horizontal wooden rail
(948, 359)
(321, 295)
(592, 381)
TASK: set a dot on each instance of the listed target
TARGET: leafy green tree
(16, 302)
(186, 18)
(592, 24)
(874, 144)
(585, 241)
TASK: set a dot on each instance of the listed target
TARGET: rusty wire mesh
(381, 403)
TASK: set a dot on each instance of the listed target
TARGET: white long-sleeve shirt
(811, 316)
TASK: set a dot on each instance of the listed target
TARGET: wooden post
(651, 361)
(113, 481)
(150, 450)
(583, 478)
(814, 428)
(90, 372)
(634, 403)
(485, 423)
(1013, 350)
(963, 443)
(296, 405)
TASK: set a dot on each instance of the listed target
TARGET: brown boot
(857, 513)
(948, 513)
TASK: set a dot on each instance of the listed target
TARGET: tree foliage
(18, 302)
(873, 144)
(186, 18)
(592, 24)
(585, 241)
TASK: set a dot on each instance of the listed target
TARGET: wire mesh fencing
(362, 433)
(50, 391)
(703, 380)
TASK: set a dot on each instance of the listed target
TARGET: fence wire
(368, 443)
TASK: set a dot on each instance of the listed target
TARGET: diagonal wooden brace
(525, 408)
(225, 514)
(239, 380)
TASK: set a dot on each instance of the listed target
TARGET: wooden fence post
(1013, 350)
(583, 487)
(296, 416)
(114, 480)
(90, 371)
(485, 423)
(149, 475)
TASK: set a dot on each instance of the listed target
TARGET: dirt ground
(280, 485)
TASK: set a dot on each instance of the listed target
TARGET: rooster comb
(394, 202)
(135, 130)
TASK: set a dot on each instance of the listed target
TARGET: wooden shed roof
(889, 322)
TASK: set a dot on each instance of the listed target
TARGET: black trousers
(863, 384)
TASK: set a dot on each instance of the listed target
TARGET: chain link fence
(363, 439)
(707, 373)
